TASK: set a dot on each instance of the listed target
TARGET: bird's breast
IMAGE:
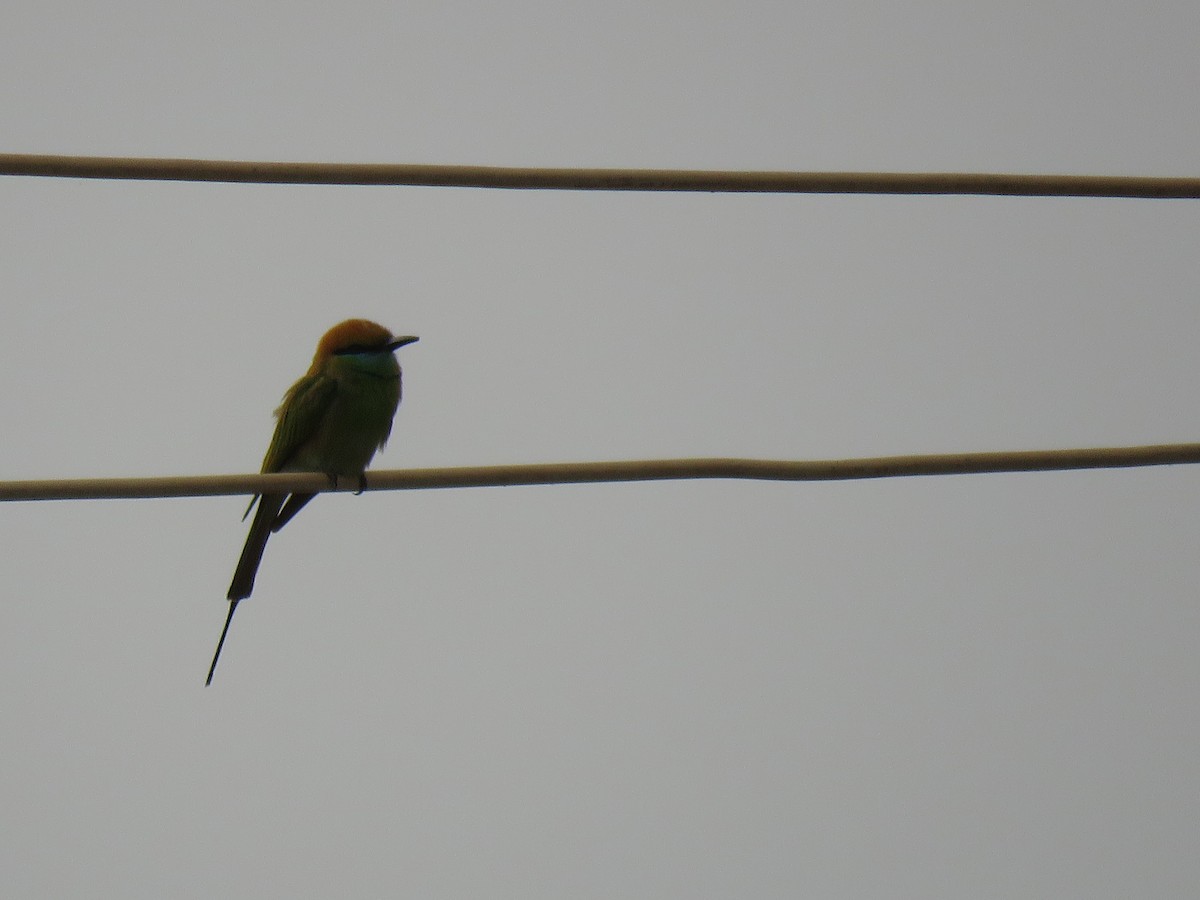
(357, 423)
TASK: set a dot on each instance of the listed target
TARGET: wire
(602, 472)
(598, 179)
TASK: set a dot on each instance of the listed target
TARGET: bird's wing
(300, 414)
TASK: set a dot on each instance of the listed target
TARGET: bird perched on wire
(332, 421)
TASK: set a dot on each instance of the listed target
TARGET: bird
(332, 421)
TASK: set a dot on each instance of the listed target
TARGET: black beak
(396, 343)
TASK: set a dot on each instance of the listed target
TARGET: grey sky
(934, 688)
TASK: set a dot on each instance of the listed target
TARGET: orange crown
(352, 332)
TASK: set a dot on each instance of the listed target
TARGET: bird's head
(357, 338)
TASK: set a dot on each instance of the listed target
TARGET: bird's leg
(362, 484)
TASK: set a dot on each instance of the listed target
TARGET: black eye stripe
(354, 349)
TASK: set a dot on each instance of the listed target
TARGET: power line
(599, 179)
(603, 472)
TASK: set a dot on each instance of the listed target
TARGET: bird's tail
(221, 643)
(256, 542)
(247, 567)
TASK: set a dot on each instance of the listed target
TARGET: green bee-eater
(332, 421)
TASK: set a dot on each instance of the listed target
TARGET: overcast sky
(972, 686)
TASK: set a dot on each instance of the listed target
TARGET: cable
(602, 472)
(598, 179)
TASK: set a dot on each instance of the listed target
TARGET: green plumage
(298, 415)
